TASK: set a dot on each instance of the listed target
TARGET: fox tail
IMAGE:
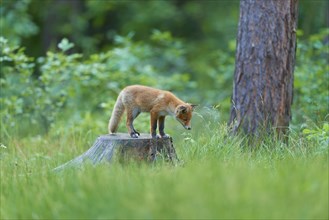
(117, 113)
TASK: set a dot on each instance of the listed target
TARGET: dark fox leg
(135, 113)
(161, 127)
(154, 119)
(130, 119)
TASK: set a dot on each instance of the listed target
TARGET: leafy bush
(16, 22)
(320, 136)
(311, 94)
(59, 81)
(17, 84)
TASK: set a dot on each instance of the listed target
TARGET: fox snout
(187, 127)
(185, 124)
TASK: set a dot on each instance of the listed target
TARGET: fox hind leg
(136, 112)
(131, 115)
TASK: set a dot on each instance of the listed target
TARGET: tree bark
(265, 59)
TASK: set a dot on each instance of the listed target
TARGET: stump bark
(122, 147)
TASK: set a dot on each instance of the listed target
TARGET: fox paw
(134, 135)
(160, 136)
(136, 132)
(165, 136)
(155, 136)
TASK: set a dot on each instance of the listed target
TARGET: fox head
(183, 114)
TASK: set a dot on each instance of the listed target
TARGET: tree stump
(125, 149)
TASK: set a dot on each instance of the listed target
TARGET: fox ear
(181, 109)
(193, 106)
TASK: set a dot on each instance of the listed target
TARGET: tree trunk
(265, 59)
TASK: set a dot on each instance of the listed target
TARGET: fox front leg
(154, 119)
(161, 127)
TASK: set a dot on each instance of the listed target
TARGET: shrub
(38, 91)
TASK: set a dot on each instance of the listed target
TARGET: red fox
(136, 99)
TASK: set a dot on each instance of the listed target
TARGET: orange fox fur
(136, 99)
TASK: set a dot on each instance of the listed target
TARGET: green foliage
(65, 45)
(311, 94)
(85, 84)
(17, 84)
(16, 22)
(214, 75)
(92, 25)
(319, 135)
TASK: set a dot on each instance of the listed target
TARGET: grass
(217, 178)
